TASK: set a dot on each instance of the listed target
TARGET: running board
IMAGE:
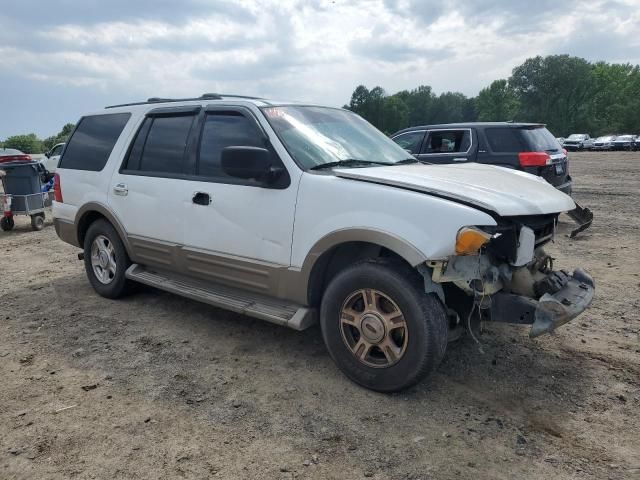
(254, 305)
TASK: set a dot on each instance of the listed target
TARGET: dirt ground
(156, 386)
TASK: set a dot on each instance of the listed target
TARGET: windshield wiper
(350, 162)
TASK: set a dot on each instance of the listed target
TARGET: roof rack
(204, 96)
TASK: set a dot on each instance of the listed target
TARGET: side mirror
(249, 163)
(48, 154)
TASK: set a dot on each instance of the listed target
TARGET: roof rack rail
(204, 96)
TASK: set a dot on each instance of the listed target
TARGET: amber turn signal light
(470, 240)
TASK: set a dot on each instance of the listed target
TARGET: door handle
(460, 159)
(121, 189)
(201, 198)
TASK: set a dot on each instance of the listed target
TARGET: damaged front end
(511, 279)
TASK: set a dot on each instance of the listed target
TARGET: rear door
(149, 193)
(447, 146)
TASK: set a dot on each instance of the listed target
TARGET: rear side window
(92, 141)
(224, 129)
(502, 140)
(160, 145)
(410, 141)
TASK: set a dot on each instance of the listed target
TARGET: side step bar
(259, 306)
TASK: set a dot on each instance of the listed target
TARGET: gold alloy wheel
(373, 328)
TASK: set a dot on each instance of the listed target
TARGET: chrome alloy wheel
(373, 328)
(103, 259)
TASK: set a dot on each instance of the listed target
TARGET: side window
(56, 151)
(410, 141)
(224, 129)
(160, 145)
(92, 141)
(503, 140)
(447, 141)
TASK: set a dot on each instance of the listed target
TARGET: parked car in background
(624, 142)
(241, 203)
(604, 143)
(52, 157)
(528, 147)
(13, 155)
(636, 143)
(578, 141)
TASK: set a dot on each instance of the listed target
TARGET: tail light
(6, 205)
(57, 188)
(534, 159)
(564, 150)
(15, 158)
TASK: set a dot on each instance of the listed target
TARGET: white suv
(293, 213)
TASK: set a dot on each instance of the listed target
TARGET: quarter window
(447, 141)
(225, 129)
(92, 141)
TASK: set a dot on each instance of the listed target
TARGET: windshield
(576, 136)
(606, 139)
(319, 135)
(625, 138)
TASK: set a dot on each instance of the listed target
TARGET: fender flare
(106, 212)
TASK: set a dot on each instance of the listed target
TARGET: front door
(237, 232)
(447, 146)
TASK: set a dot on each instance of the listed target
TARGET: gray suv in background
(578, 141)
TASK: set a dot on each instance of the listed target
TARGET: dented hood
(501, 190)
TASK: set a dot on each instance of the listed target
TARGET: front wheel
(380, 327)
(106, 260)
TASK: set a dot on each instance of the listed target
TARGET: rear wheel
(380, 327)
(37, 221)
(7, 223)
(106, 260)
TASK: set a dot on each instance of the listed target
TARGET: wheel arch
(91, 212)
(345, 247)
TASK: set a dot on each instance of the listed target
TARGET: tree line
(568, 94)
(30, 143)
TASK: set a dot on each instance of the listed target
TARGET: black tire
(7, 223)
(37, 221)
(424, 314)
(117, 285)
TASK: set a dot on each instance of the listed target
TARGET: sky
(60, 59)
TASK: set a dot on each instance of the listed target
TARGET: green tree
(497, 102)
(29, 143)
(62, 136)
(396, 114)
(555, 90)
(420, 102)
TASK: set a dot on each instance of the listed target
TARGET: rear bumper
(566, 187)
(67, 232)
(549, 311)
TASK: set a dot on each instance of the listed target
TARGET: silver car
(578, 141)
(605, 142)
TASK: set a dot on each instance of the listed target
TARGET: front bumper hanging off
(548, 312)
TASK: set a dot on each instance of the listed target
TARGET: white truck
(296, 213)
